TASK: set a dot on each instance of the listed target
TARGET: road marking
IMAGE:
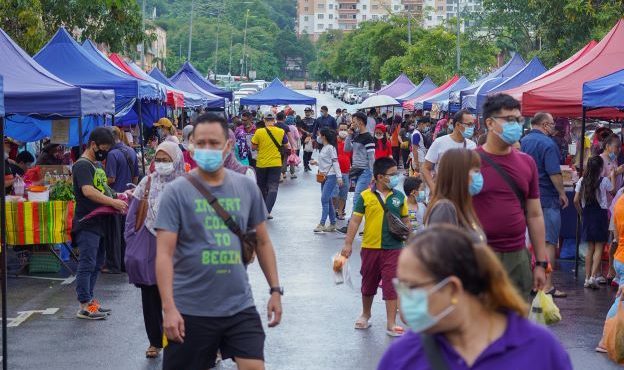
(24, 315)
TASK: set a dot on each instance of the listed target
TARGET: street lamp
(458, 34)
(188, 58)
(244, 45)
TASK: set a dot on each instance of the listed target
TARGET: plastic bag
(613, 335)
(340, 267)
(543, 309)
(293, 159)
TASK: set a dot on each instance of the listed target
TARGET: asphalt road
(317, 328)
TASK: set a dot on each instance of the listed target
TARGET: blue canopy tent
(148, 107)
(473, 102)
(442, 98)
(398, 87)
(533, 69)
(1, 96)
(190, 100)
(422, 88)
(277, 93)
(193, 74)
(31, 92)
(184, 82)
(604, 92)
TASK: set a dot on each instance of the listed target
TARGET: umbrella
(379, 101)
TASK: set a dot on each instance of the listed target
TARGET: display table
(36, 223)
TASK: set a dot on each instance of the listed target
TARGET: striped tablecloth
(38, 222)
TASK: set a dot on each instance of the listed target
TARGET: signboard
(60, 131)
(252, 75)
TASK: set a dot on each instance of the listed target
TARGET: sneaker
(343, 230)
(293, 176)
(331, 228)
(319, 229)
(591, 283)
(601, 280)
(269, 217)
(586, 285)
(101, 309)
(91, 312)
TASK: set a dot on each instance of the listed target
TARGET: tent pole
(578, 217)
(113, 119)
(79, 136)
(3, 259)
(141, 136)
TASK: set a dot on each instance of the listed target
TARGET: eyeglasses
(511, 119)
(468, 125)
(391, 174)
(401, 286)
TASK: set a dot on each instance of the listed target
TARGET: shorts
(518, 267)
(552, 223)
(379, 265)
(342, 192)
(240, 335)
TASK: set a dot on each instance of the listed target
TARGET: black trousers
(396, 154)
(307, 156)
(152, 314)
(405, 154)
(267, 179)
(114, 242)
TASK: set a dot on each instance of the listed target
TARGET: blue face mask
(415, 307)
(468, 132)
(420, 198)
(394, 181)
(612, 156)
(512, 132)
(477, 183)
(209, 160)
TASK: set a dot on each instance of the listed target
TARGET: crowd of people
(481, 201)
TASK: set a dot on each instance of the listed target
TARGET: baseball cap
(163, 122)
(307, 109)
(269, 115)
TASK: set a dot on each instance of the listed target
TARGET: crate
(41, 262)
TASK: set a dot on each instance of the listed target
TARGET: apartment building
(317, 16)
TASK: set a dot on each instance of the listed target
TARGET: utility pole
(244, 45)
(188, 58)
(409, 26)
(458, 34)
(217, 44)
(143, 36)
(230, 67)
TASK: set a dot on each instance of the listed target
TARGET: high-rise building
(317, 16)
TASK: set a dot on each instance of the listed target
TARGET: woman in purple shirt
(463, 311)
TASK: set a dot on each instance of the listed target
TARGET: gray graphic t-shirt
(209, 278)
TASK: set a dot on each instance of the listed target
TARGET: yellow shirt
(376, 232)
(268, 153)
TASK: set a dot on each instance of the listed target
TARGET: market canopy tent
(29, 89)
(175, 97)
(190, 99)
(379, 101)
(277, 93)
(561, 94)
(185, 83)
(551, 74)
(474, 102)
(64, 57)
(1, 97)
(605, 92)
(532, 70)
(442, 97)
(411, 103)
(425, 86)
(193, 74)
(398, 87)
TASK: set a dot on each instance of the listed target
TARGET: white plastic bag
(342, 275)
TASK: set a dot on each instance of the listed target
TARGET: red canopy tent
(175, 98)
(409, 105)
(561, 94)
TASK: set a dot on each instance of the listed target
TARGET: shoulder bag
(280, 148)
(141, 212)
(507, 178)
(433, 353)
(248, 240)
(396, 227)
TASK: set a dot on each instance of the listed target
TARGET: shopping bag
(536, 313)
(293, 159)
(340, 267)
(613, 336)
(551, 312)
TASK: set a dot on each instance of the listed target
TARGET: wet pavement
(317, 328)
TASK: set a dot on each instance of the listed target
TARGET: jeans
(92, 255)
(268, 182)
(362, 182)
(327, 188)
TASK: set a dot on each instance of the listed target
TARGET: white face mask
(343, 134)
(163, 168)
(379, 136)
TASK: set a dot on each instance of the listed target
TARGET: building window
(363, 7)
(396, 8)
(429, 18)
(375, 6)
(305, 8)
(440, 18)
(364, 17)
(331, 6)
(440, 7)
(320, 16)
(321, 6)
(305, 18)
(320, 26)
(375, 17)
(331, 16)
(330, 26)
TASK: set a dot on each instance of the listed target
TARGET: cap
(245, 113)
(307, 109)
(381, 127)
(163, 122)
(269, 115)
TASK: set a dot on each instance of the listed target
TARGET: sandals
(152, 352)
(362, 323)
(557, 293)
(396, 331)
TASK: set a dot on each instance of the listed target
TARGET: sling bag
(507, 178)
(141, 212)
(396, 227)
(433, 353)
(248, 240)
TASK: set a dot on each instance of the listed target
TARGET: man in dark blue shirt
(539, 145)
(324, 120)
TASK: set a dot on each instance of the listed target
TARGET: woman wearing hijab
(383, 147)
(141, 238)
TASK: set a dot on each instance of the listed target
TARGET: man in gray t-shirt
(203, 284)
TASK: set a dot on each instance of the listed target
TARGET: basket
(41, 262)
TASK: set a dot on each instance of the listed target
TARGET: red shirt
(498, 207)
(344, 158)
(382, 151)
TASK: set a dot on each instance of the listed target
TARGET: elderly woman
(141, 238)
(463, 311)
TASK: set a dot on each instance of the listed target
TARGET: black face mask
(100, 155)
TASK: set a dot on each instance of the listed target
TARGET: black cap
(307, 109)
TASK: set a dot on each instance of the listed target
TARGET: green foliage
(21, 20)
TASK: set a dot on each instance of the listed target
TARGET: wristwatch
(543, 264)
(277, 289)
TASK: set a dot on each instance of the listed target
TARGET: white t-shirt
(418, 141)
(601, 192)
(370, 124)
(444, 143)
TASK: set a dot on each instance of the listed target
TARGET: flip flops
(396, 331)
(362, 323)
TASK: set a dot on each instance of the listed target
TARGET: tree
(21, 20)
